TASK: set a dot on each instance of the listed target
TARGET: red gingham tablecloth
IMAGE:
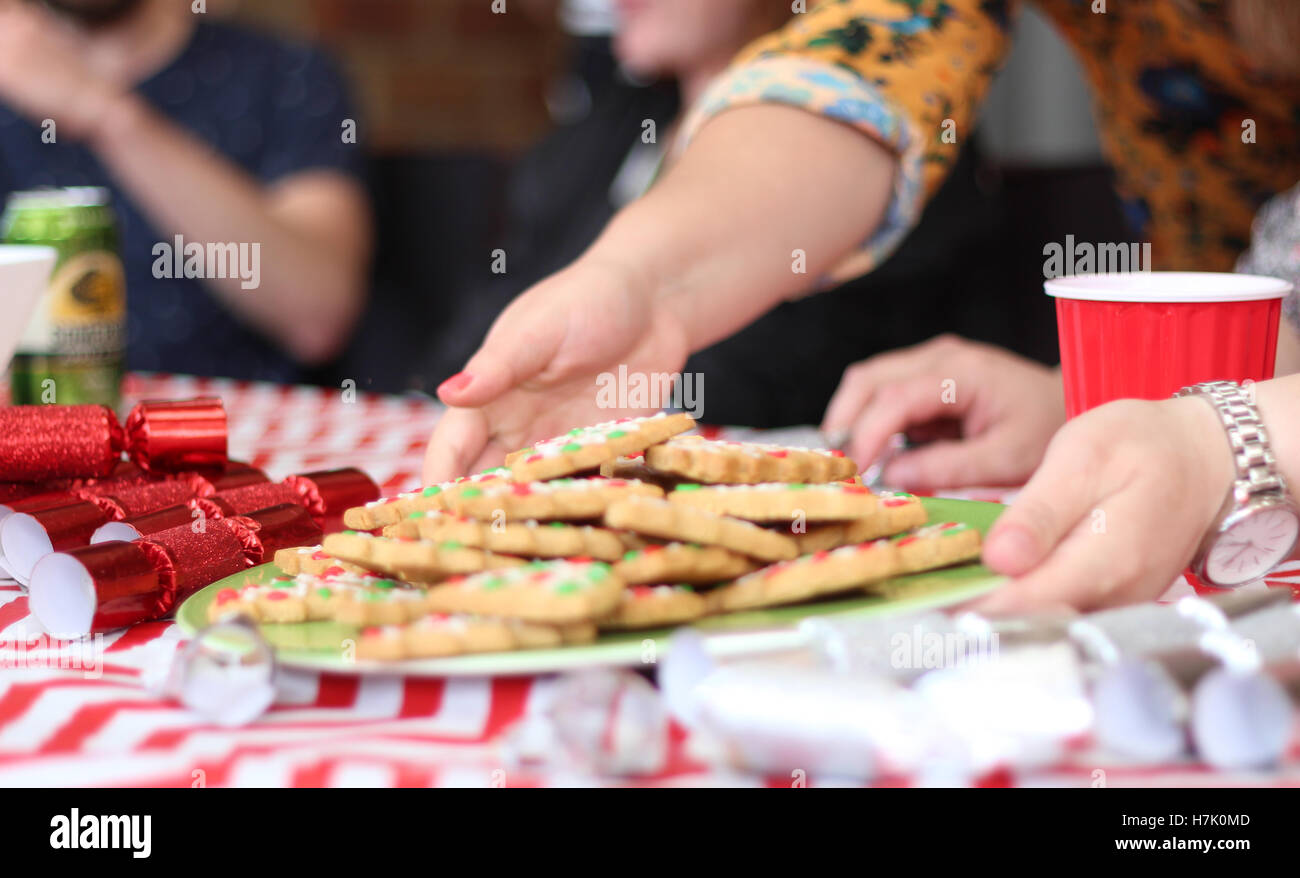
(65, 727)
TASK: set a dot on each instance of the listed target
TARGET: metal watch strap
(1252, 454)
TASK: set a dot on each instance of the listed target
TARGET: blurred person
(639, 69)
(205, 131)
(824, 137)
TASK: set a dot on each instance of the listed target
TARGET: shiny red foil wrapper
(128, 583)
(250, 498)
(207, 482)
(196, 559)
(40, 442)
(278, 527)
(176, 435)
(328, 494)
(11, 492)
(163, 519)
(143, 499)
(42, 501)
(70, 526)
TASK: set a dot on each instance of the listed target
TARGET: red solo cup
(1145, 335)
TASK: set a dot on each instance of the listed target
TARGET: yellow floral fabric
(1197, 139)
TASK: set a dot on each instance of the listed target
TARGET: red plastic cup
(1145, 335)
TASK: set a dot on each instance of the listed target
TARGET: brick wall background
(446, 75)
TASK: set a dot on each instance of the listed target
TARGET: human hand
(535, 375)
(1117, 510)
(43, 72)
(986, 413)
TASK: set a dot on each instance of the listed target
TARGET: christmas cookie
(682, 562)
(779, 501)
(937, 545)
(413, 560)
(310, 559)
(718, 462)
(894, 513)
(636, 468)
(530, 538)
(587, 448)
(301, 598)
(385, 602)
(381, 513)
(564, 499)
(654, 606)
(439, 634)
(674, 521)
(808, 577)
(553, 592)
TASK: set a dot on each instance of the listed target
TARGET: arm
(313, 226)
(1288, 348)
(732, 259)
(1123, 499)
(712, 245)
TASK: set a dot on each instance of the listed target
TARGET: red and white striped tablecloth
(66, 727)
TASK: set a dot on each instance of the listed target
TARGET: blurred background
(512, 131)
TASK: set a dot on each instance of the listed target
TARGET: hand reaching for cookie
(702, 254)
(987, 414)
(535, 374)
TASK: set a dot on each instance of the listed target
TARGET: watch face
(1252, 547)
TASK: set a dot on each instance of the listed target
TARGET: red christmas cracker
(115, 584)
(176, 435)
(329, 493)
(40, 442)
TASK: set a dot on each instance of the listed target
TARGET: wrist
(1210, 452)
(115, 117)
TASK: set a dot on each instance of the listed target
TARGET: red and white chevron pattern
(65, 727)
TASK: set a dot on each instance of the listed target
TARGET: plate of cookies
(591, 548)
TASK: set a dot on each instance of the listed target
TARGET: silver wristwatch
(1258, 526)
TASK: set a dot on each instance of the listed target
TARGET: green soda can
(74, 349)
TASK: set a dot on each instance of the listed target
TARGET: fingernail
(456, 383)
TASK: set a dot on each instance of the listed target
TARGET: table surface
(63, 727)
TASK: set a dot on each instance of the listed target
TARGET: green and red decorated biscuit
(436, 635)
(682, 562)
(311, 559)
(731, 463)
(333, 594)
(895, 512)
(413, 560)
(552, 592)
(559, 499)
(675, 521)
(529, 538)
(654, 606)
(391, 510)
(586, 448)
(808, 577)
(937, 545)
(780, 501)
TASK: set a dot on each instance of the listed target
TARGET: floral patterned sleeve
(902, 71)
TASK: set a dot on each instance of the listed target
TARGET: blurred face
(93, 13)
(675, 37)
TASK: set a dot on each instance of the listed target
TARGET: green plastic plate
(320, 646)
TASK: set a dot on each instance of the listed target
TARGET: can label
(71, 351)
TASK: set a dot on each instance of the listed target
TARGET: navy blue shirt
(271, 107)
